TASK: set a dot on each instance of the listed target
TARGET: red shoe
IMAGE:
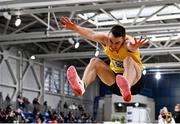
(76, 84)
(124, 87)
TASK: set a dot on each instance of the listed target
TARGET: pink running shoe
(124, 87)
(76, 84)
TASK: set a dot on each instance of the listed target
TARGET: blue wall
(166, 91)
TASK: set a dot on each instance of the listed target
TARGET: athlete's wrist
(74, 27)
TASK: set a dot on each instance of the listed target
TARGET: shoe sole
(124, 87)
(73, 80)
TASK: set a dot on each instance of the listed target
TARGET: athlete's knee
(128, 59)
(95, 61)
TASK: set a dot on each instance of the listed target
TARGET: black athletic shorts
(135, 89)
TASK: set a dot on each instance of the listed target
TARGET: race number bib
(118, 64)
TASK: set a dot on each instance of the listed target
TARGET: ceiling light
(119, 104)
(97, 50)
(33, 57)
(144, 72)
(97, 53)
(158, 75)
(136, 104)
(18, 21)
(76, 44)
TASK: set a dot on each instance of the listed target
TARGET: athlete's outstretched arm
(133, 44)
(85, 32)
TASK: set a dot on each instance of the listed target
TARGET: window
(67, 88)
(57, 81)
(52, 80)
(47, 77)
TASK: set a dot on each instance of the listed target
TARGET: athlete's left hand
(139, 42)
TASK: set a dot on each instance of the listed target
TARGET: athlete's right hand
(66, 22)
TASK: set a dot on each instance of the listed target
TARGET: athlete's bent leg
(98, 67)
(131, 75)
(95, 67)
(132, 71)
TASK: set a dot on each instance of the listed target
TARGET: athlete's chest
(114, 55)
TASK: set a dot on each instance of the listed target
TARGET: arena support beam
(150, 29)
(62, 8)
(89, 54)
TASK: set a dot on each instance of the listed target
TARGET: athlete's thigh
(105, 73)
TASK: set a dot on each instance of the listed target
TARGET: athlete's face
(115, 43)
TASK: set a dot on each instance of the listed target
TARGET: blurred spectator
(36, 106)
(2, 116)
(162, 112)
(1, 100)
(71, 118)
(8, 100)
(45, 106)
(53, 117)
(81, 108)
(62, 117)
(59, 106)
(13, 115)
(26, 104)
(65, 108)
(177, 113)
(39, 119)
(20, 102)
(65, 105)
(10, 115)
(165, 117)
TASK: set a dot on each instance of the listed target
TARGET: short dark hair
(118, 31)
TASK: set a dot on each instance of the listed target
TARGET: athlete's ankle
(83, 84)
